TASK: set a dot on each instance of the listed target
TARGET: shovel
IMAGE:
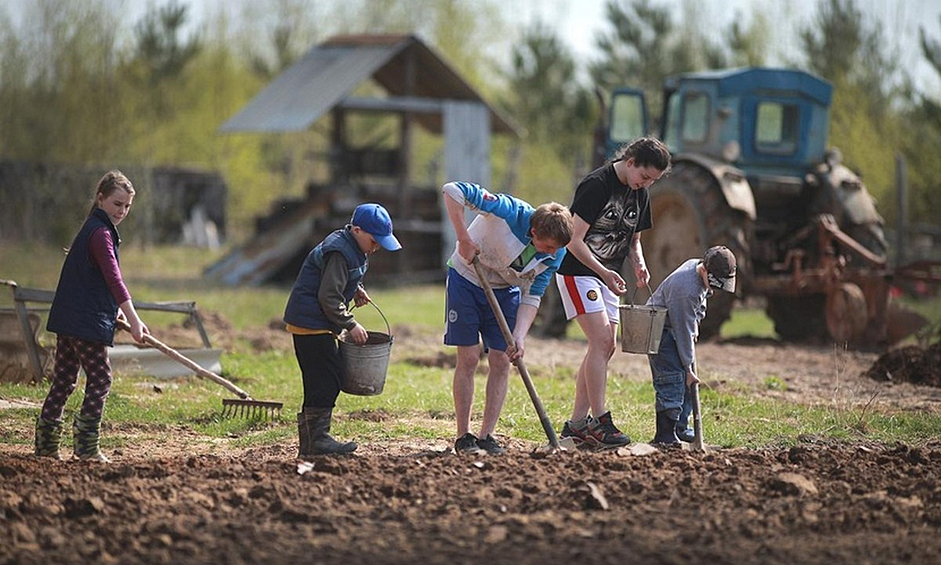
(698, 444)
(243, 406)
(508, 337)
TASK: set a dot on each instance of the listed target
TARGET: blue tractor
(752, 170)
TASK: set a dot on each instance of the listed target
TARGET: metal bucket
(641, 327)
(365, 365)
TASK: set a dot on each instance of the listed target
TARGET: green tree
(922, 143)
(543, 92)
(58, 90)
(161, 56)
(931, 49)
(842, 46)
(645, 45)
(748, 42)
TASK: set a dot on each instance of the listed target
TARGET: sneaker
(603, 432)
(577, 430)
(490, 445)
(685, 434)
(467, 443)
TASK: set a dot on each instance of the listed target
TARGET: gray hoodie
(684, 295)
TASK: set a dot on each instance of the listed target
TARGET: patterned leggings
(72, 353)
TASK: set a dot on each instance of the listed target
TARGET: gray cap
(720, 268)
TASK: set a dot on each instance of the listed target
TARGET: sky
(578, 22)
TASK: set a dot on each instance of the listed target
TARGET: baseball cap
(374, 220)
(720, 268)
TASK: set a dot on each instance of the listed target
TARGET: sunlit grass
(750, 322)
(416, 402)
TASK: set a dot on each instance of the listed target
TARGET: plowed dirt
(911, 364)
(808, 504)
(411, 502)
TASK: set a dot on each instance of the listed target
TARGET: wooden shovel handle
(187, 362)
(508, 337)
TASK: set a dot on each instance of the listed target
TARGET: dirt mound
(807, 504)
(912, 364)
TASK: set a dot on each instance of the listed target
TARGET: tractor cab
(752, 171)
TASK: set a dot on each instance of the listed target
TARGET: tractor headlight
(731, 151)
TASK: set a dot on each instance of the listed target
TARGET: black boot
(303, 436)
(313, 427)
(666, 428)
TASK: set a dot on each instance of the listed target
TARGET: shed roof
(330, 71)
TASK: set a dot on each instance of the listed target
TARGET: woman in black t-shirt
(610, 209)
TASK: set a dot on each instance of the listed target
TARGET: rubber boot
(303, 436)
(87, 430)
(48, 436)
(313, 426)
(666, 428)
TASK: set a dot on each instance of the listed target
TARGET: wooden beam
(393, 104)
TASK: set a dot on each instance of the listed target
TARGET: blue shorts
(469, 316)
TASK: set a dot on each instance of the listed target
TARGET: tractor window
(777, 127)
(671, 129)
(627, 118)
(695, 117)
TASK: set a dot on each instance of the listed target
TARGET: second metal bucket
(641, 327)
(365, 365)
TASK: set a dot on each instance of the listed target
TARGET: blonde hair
(553, 221)
(111, 181)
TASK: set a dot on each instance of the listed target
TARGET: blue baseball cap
(374, 220)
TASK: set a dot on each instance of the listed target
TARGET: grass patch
(747, 322)
(416, 402)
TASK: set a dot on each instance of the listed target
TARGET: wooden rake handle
(508, 337)
(187, 362)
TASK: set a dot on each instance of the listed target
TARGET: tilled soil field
(811, 503)
(414, 502)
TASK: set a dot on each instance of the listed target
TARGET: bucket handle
(388, 327)
(647, 286)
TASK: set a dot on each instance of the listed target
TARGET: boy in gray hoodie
(683, 293)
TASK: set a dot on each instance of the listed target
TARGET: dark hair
(112, 181)
(554, 221)
(646, 152)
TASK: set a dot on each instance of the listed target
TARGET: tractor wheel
(846, 312)
(799, 318)
(690, 214)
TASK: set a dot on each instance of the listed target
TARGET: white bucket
(641, 327)
(365, 366)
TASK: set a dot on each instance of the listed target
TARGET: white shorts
(583, 295)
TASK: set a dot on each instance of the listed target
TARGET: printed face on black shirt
(609, 237)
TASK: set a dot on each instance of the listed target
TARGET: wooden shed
(422, 90)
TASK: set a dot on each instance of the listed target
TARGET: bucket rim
(386, 339)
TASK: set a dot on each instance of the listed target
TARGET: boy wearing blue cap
(318, 310)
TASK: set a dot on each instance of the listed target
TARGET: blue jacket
(502, 232)
(83, 306)
(303, 308)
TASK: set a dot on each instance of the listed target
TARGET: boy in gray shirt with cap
(683, 293)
